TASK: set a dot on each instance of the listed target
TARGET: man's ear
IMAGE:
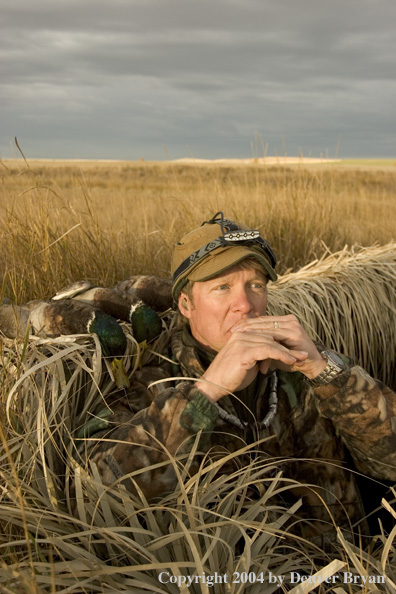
(184, 304)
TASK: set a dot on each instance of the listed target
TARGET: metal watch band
(335, 366)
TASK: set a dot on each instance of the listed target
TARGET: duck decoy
(55, 318)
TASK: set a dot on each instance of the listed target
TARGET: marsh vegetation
(61, 529)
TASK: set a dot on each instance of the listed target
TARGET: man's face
(219, 303)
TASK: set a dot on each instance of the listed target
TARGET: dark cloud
(123, 78)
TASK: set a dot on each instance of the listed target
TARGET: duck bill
(120, 376)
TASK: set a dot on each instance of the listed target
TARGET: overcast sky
(164, 79)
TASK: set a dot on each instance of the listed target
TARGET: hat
(216, 246)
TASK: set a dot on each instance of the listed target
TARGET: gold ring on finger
(276, 325)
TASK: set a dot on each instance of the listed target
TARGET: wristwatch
(335, 366)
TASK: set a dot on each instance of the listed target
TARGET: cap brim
(223, 258)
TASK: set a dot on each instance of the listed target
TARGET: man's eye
(258, 285)
(222, 287)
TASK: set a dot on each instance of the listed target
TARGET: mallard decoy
(146, 323)
(54, 318)
(152, 290)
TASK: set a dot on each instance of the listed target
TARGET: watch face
(336, 359)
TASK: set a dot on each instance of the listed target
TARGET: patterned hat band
(197, 259)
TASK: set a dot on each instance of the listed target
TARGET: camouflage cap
(213, 248)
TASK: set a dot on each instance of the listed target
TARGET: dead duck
(146, 323)
(14, 320)
(55, 318)
(108, 300)
(154, 291)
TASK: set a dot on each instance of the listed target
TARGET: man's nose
(242, 303)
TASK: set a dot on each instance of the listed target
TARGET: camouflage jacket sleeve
(363, 411)
(147, 429)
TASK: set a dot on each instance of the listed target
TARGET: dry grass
(112, 541)
(347, 301)
(105, 222)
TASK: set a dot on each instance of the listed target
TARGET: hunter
(251, 378)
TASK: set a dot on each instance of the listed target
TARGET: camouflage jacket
(313, 435)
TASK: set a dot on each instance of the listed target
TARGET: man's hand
(286, 330)
(256, 345)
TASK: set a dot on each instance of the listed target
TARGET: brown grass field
(332, 228)
(61, 221)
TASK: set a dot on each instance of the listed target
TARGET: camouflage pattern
(312, 438)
